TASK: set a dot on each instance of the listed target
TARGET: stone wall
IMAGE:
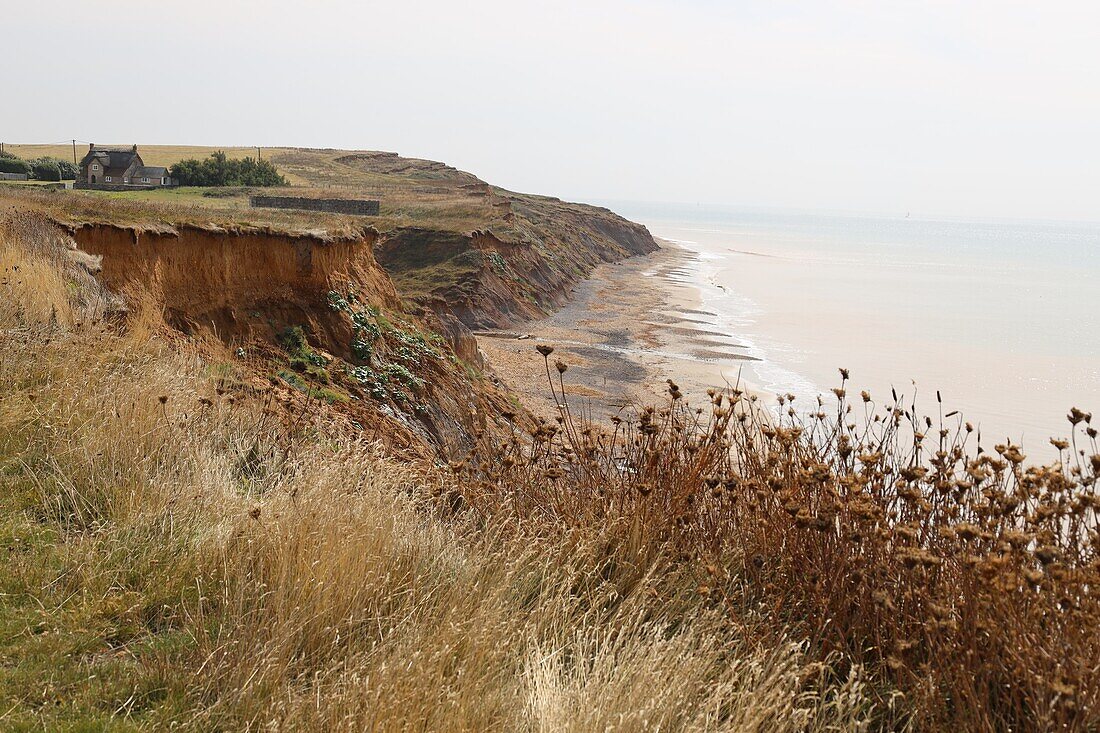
(356, 207)
(116, 186)
(13, 176)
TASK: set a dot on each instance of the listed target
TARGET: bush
(219, 170)
(44, 169)
(14, 165)
(69, 171)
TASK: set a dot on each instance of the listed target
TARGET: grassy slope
(230, 565)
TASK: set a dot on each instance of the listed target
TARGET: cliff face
(328, 314)
(318, 316)
(522, 268)
(469, 252)
(240, 284)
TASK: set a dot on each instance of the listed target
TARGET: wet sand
(626, 330)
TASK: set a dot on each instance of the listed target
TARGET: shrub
(44, 169)
(14, 165)
(219, 170)
(69, 171)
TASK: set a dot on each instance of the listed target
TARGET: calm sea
(1000, 316)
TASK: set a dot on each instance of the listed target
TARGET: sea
(999, 319)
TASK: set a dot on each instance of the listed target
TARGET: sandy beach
(626, 330)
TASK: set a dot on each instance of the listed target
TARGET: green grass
(311, 391)
(31, 183)
(184, 195)
(76, 657)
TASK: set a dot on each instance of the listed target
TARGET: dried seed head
(1075, 416)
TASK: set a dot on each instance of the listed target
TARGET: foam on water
(1001, 315)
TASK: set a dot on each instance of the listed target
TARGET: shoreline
(626, 330)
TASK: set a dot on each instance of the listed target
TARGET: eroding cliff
(243, 283)
(509, 274)
(320, 320)
(374, 321)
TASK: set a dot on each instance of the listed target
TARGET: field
(165, 155)
(412, 192)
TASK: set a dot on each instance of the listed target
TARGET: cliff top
(413, 193)
(451, 241)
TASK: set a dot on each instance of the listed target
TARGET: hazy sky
(979, 108)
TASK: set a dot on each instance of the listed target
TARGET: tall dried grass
(965, 582)
(252, 570)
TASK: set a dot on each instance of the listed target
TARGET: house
(106, 166)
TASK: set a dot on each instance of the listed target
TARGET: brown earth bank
(241, 284)
(374, 319)
(453, 243)
(312, 318)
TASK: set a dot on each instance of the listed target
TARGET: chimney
(135, 147)
(91, 146)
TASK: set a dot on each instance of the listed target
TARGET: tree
(220, 170)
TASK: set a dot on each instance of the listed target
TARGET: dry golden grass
(179, 551)
(956, 575)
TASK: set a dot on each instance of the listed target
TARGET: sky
(972, 109)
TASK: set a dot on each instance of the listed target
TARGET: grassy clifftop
(454, 244)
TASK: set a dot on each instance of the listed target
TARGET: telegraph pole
(257, 153)
(74, 151)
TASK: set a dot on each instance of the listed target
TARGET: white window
(95, 166)
(144, 180)
(108, 179)
(164, 181)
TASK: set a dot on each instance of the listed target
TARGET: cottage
(105, 166)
